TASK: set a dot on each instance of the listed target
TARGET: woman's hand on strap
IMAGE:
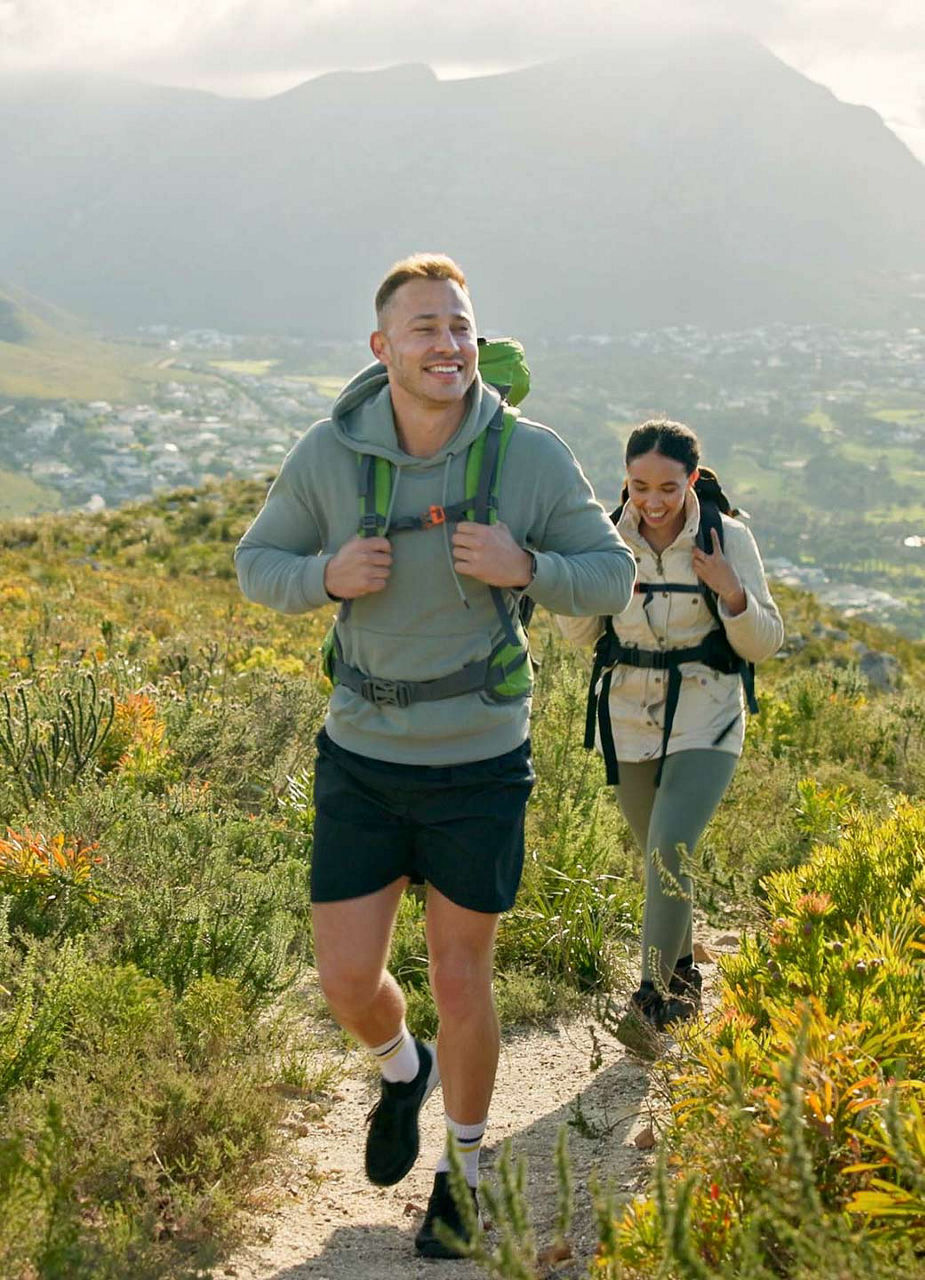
(715, 571)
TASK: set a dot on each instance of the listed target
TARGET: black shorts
(458, 827)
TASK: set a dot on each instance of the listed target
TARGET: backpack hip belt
(475, 677)
(713, 651)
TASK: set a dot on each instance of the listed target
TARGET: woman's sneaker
(442, 1207)
(648, 1016)
(687, 983)
(393, 1141)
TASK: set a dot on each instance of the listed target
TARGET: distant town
(99, 455)
(765, 399)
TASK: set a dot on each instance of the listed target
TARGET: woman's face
(657, 489)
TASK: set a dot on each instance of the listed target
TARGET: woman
(676, 724)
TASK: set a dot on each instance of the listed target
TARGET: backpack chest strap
(659, 659)
(713, 651)
(651, 589)
(433, 516)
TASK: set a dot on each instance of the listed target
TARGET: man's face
(428, 342)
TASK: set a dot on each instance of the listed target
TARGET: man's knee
(460, 979)
(346, 985)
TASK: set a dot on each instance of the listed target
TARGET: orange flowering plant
(30, 861)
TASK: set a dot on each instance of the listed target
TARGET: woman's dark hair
(670, 439)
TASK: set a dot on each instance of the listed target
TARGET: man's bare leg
(460, 945)
(352, 940)
(352, 949)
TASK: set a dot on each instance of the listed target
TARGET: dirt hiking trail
(327, 1222)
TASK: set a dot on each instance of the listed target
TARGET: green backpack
(506, 674)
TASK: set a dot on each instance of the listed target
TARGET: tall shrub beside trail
(822, 745)
(796, 1144)
(153, 904)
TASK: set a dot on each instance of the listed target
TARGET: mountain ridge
(677, 182)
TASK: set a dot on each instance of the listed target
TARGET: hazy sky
(865, 51)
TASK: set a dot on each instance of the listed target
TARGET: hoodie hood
(364, 422)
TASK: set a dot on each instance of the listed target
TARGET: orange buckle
(434, 515)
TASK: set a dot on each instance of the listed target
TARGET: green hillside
(156, 761)
(21, 496)
(47, 354)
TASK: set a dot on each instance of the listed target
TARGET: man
(423, 769)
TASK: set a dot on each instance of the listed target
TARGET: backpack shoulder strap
(483, 476)
(597, 708)
(710, 519)
(375, 492)
(483, 465)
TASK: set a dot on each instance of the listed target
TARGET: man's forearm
(281, 580)
(592, 582)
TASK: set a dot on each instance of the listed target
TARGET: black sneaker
(393, 1141)
(639, 1027)
(687, 983)
(441, 1207)
(648, 1016)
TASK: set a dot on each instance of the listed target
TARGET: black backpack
(714, 650)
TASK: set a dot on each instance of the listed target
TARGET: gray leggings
(667, 821)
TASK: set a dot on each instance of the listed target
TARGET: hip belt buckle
(387, 693)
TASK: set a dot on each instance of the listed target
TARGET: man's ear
(693, 477)
(377, 343)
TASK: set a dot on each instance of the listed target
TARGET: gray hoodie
(429, 621)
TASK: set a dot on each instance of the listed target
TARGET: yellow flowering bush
(798, 1111)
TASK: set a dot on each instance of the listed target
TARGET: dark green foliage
(152, 1112)
(39, 995)
(157, 1151)
(247, 743)
(49, 737)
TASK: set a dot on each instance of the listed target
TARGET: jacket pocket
(709, 704)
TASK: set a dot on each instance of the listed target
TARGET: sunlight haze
(866, 55)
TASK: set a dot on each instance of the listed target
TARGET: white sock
(398, 1058)
(469, 1140)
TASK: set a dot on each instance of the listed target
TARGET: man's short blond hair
(419, 266)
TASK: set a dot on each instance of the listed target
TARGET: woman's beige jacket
(709, 701)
